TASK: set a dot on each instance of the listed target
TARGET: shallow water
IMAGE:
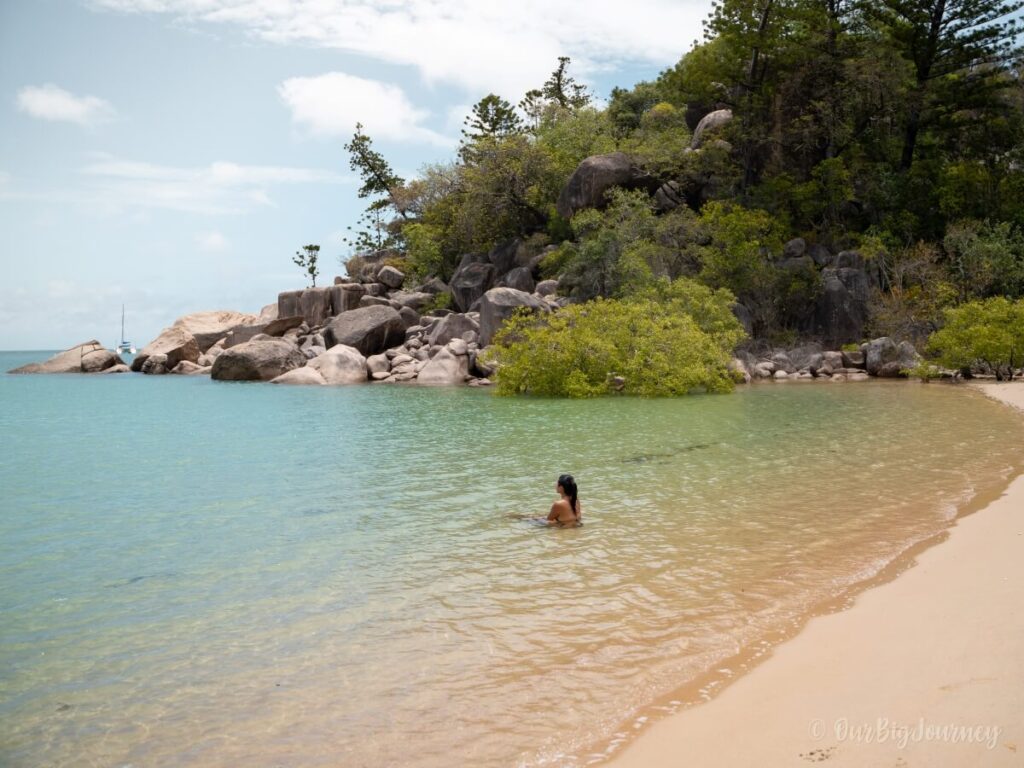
(200, 573)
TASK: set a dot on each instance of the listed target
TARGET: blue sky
(173, 154)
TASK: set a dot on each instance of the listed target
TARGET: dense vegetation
(672, 339)
(891, 127)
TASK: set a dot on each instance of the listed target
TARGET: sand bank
(925, 670)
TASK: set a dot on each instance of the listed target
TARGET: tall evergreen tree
(492, 117)
(958, 49)
(379, 181)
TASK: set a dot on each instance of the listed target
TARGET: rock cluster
(371, 328)
(881, 357)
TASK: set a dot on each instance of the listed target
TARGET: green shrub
(923, 371)
(656, 346)
(990, 331)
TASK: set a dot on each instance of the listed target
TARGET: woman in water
(567, 510)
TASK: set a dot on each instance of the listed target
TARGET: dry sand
(881, 683)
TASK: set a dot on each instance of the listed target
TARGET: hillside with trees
(838, 170)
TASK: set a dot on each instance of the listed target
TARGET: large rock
(341, 364)
(268, 313)
(446, 367)
(412, 299)
(391, 277)
(885, 358)
(346, 296)
(88, 357)
(434, 285)
(509, 255)
(282, 325)
(314, 305)
(368, 329)
(301, 376)
(794, 248)
(257, 360)
(710, 123)
(175, 342)
(208, 327)
(596, 175)
(469, 283)
(452, 327)
(519, 278)
(668, 197)
(743, 314)
(841, 309)
(498, 304)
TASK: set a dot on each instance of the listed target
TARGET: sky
(172, 155)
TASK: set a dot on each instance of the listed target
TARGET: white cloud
(479, 46)
(50, 102)
(212, 241)
(331, 104)
(218, 188)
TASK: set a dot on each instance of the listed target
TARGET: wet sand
(924, 670)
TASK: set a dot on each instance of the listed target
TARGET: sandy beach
(926, 669)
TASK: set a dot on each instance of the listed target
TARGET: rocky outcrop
(368, 329)
(597, 174)
(314, 305)
(340, 364)
(709, 124)
(346, 296)
(208, 327)
(257, 360)
(176, 342)
(88, 357)
(498, 304)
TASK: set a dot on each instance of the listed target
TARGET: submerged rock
(303, 376)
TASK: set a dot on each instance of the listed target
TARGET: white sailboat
(124, 347)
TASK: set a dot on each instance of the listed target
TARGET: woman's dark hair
(569, 486)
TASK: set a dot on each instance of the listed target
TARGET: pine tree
(492, 117)
(562, 89)
(958, 49)
(378, 181)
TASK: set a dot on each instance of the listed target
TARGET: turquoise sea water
(203, 573)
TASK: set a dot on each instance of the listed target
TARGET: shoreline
(876, 676)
